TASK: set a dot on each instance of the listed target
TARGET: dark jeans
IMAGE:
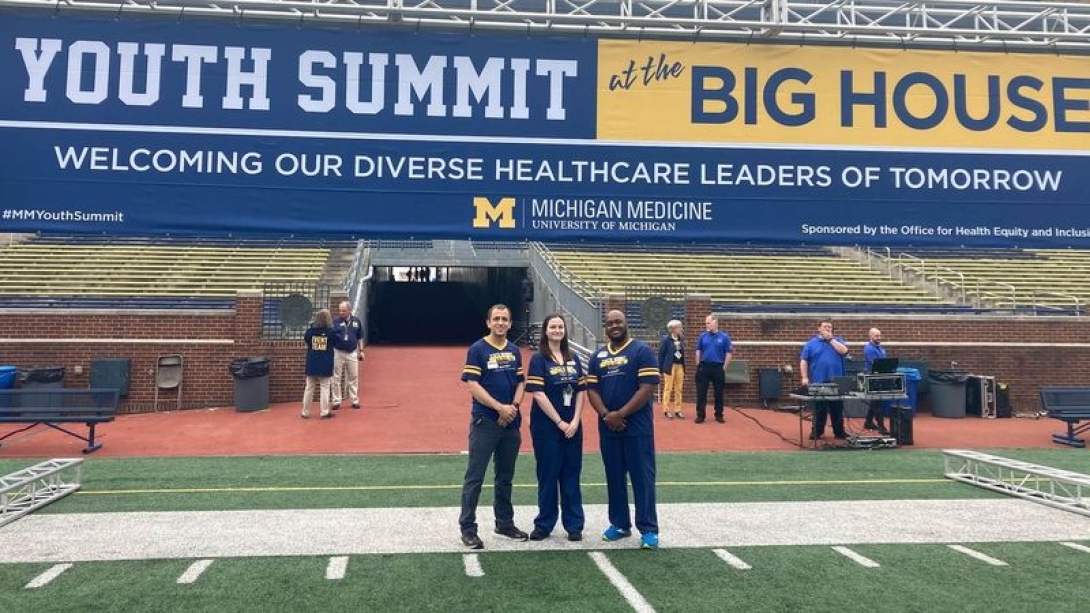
(826, 409)
(705, 373)
(874, 414)
(488, 439)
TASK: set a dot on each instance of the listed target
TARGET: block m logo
(501, 213)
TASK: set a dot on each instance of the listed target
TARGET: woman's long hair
(543, 343)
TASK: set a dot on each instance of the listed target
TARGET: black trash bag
(947, 376)
(249, 368)
(41, 375)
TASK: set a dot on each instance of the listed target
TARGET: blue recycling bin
(912, 381)
(7, 376)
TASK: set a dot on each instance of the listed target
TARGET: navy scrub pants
(559, 464)
(624, 457)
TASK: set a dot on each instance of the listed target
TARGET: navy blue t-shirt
(617, 376)
(545, 375)
(348, 333)
(499, 371)
(319, 352)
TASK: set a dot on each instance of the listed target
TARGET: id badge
(568, 393)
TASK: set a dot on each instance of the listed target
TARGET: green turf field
(1038, 576)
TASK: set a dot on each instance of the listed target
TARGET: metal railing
(568, 295)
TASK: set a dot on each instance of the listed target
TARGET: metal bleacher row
(152, 271)
(742, 275)
(1008, 278)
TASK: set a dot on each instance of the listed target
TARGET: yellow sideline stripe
(388, 488)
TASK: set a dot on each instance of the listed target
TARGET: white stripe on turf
(194, 571)
(983, 557)
(856, 557)
(49, 575)
(473, 565)
(1077, 547)
(619, 581)
(731, 559)
(337, 567)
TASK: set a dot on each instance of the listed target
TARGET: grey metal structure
(1054, 487)
(32, 488)
(960, 23)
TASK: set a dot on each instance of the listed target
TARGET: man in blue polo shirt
(621, 380)
(821, 360)
(493, 372)
(872, 351)
(713, 354)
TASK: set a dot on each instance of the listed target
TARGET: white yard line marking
(976, 554)
(621, 582)
(194, 571)
(1077, 547)
(473, 565)
(49, 575)
(856, 557)
(731, 559)
(337, 567)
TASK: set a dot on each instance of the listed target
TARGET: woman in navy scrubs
(558, 384)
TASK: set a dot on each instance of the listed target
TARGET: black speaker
(1003, 406)
(900, 425)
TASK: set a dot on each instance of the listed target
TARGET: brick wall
(207, 341)
(1031, 351)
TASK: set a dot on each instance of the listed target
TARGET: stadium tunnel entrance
(441, 305)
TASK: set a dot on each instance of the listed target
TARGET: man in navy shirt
(621, 380)
(871, 352)
(493, 372)
(821, 360)
(348, 341)
(713, 354)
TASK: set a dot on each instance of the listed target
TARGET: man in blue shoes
(621, 381)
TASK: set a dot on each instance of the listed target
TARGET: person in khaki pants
(672, 365)
(348, 342)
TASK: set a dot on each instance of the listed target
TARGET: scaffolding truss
(1062, 489)
(953, 23)
(32, 488)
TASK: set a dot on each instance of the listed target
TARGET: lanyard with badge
(568, 391)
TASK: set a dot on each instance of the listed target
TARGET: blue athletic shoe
(614, 533)
(649, 541)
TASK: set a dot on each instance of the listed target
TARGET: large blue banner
(139, 126)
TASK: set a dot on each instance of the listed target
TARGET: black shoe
(575, 536)
(471, 540)
(538, 535)
(337, 406)
(698, 420)
(355, 405)
(327, 416)
(883, 431)
(513, 533)
(720, 419)
(869, 426)
(840, 435)
(814, 436)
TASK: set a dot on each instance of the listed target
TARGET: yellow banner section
(759, 94)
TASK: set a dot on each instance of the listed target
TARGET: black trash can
(948, 392)
(251, 377)
(43, 379)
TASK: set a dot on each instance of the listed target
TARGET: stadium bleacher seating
(153, 269)
(1010, 278)
(740, 274)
